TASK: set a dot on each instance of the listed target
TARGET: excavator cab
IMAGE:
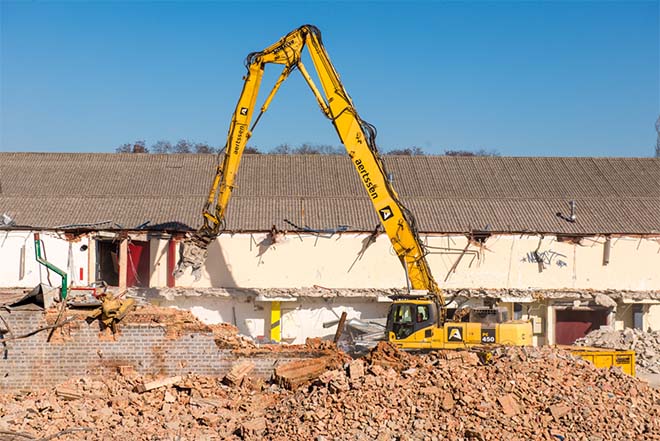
(416, 324)
(409, 317)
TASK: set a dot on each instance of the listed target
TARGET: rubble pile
(645, 344)
(523, 394)
(175, 322)
(132, 408)
(519, 394)
(227, 336)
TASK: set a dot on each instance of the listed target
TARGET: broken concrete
(323, 292)
(645, 344)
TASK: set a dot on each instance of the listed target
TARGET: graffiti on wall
(547, 258)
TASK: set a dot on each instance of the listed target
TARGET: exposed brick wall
(81, 349)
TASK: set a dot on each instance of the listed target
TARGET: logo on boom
(386, 213)
(364, 174)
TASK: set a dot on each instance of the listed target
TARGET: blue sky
(561, 78)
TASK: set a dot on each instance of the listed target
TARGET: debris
(296, 373)
(340, 327)
(127, 371)
(559, 410)
(255, 426)
(385, 354)
(356, 369)
(238, 373)
(448, 402)
(606, 301)
(169, 397)
(645, 344)
(67, 393)
(143, 387)
(509, 404)
(522, 393)
(112, 310)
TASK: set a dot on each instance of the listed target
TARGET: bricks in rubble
(523, 394)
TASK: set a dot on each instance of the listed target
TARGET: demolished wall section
(81, 349)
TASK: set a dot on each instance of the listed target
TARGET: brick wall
(81, 349)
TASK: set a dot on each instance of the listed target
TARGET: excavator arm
(357, 135)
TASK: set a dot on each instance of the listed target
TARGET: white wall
(299, 320)
(214, 310)
(306, 318)
(505, 261)
(56, 249)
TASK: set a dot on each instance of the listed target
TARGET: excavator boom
(414, 322)
(357, 135)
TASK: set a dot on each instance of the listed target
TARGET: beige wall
(505, 261)
(652, 318)
(623, 318)
(158, 257)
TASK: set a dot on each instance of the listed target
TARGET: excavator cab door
(400, 320)
(413, 322)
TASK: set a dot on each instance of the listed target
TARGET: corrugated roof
(447, 194)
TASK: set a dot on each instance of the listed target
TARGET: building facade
(568, 243)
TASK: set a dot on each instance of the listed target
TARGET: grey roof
(446, 194)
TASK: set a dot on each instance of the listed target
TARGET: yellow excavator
(414, 321)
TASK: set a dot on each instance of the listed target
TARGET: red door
(137, 273)
(572, 324)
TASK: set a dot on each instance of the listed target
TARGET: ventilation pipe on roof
(6, 220)
(390, 177)
(572, 217)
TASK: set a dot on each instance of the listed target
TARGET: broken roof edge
(319, 292)
(77, 230)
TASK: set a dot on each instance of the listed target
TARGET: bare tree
(408, 151)
(657, 141)
(252, 151)
(480, 152)
(326, 149)
(203, 148)
(182, 146)
(136, 147)
(166, 147)
(306, 149)
(162, 147)
(282, 149)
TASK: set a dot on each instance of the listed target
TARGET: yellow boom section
(357, 136)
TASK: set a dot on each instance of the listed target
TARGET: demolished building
(569, 243)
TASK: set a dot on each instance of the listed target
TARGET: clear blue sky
(561, 78)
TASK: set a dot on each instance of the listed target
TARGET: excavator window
(422, 313)
(407, 318)
(400, 320)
